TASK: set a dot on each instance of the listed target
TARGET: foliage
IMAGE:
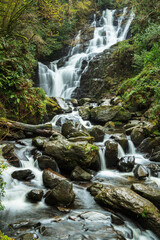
(5, 237)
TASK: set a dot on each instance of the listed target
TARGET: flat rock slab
(129, 202)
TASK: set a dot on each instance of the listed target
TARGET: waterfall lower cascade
(108, 30)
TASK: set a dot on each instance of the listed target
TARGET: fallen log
(40, 129)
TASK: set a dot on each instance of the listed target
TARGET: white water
(61, 82)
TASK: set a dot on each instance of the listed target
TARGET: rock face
(84, 112)
(111, 154)
(62, 190)
(45, 162)
(103, 114)
(69, 154)
(35, 195)
(79, 174)
(39, 141)
(98, 133)
(147, 192)
(23, 175)
(141, 172)
(126, 200)
(126, 164)
(10, 155)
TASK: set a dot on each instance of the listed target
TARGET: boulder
(126, 164)
(150, 193)
(84, 112)
(141, 172)
(82, 138)
(9, 153)
(73, 129)
(95, 188)
(78, 174)
(123, 142)
(98, 133)
(74, 102)
(103, 114)
(23, 175)
(154, 169)
(61, 194)
(29, 236)
(149, 144)
(137, 136)
(70, 154)
(111, 154)
(35, 195)
(39, 141)
(83, 101)
(45, 162)
(155, 157)
(51, 178)
(125, 200)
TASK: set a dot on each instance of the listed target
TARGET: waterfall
(102, 157)
(62, 81)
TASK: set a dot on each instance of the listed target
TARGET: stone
(39, 141)
(137, 136)
(155, 157)
(126, 163)
(70, 154)
(61, 194)
(73, 129)
(148, 145)
(123, 142)
(45, 162)
(111, 154)
(154, 169)
(127, 201)
(9, 153)
(150, 193)
(78, 174)
(141, 172)
(84, 112)
(29, 236)
(103, 114)
(97, 132)
(51, 178)
(74, 102)
(88, 139)
(83, 101)
(95, 188)
(35, 195)
(23, 175)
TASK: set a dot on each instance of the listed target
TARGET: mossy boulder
(98, 133)
(111, 154)
(70, 154)
(52, 108)
(103, 114)
(9, 153)
(73, 129)
(84, 112)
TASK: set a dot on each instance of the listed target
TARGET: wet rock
(95, 216)
(117, 220)
(83, 101)
(132, 204)
(74, 102)
(148, 145)
(28, 236)
(35, 195)
(23, 175)
(154, 169)
(10, 155)
(79, 174)
(61, 194)
(95, 188)
(21, 224)
(126, 164)
(137, 136)
(141, 172)
(73, 129)
(111, 154)
(155, 157)
(123, 142)
(84, 112)
(69, 154)
(82, 138)
(98, 133)
(150, 193)
(51, 178)
(39, 141)
(45, 162)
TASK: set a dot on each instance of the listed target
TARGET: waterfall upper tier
(107, 31)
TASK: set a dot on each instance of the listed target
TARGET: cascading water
(61, 82)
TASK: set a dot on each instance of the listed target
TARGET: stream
(85, 219)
